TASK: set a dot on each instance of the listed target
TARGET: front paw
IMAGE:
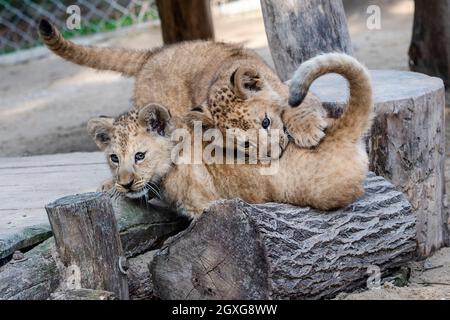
(106, 185)
(307, 130)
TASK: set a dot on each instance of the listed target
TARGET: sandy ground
(429, 279)
(45, 103)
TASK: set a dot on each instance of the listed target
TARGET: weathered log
(139, 281)
(34, 278)
(185, 20)
(143, 227)
(83, 294)
(429, 51)
(300, 29)
(240, 251)
(88, 243)
(407, 143)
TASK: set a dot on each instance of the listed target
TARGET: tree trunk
(429, 51)
(88, 243)
(300, 29)
(183, 20)
(240, 251)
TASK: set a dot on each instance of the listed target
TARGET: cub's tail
(357, 116)
(128, 62)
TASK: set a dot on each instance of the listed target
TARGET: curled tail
(128, 62)
(356, 119)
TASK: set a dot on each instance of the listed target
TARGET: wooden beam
(300, 29)
(429, 51)
(183, 20)
(88, 243)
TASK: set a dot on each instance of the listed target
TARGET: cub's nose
(128, 185)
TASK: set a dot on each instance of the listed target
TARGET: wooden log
(34, 278)
(143, 228)
(185, 20)
(39, 274)
(240, 251)
(407, 143)
(429, 51)
(88, 243)
(300, 29)
(83, 294)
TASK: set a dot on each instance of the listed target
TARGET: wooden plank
(27, 184)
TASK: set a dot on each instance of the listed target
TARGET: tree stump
(183, 20)
(240, 251)
(429, 51)
(407, 143)
(88, 243)
(298, 30)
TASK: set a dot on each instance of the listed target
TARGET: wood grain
(183, 20)
(88, 243)
(298, 30)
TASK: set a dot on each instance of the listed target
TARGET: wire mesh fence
(19, 18)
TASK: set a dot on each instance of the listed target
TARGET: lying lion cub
(326, 177)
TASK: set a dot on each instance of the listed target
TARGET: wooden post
(143, 228)
(183, 20)
(300, 29)
(276, 251)
(88, 243)
(429, 51)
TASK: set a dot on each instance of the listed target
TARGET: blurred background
(46, 101)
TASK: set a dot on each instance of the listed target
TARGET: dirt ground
(45, 103)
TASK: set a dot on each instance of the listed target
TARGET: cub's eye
(114, 158)
(139, 156)
(266, 122)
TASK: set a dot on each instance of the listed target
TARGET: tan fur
(328, 176)
(179, 77)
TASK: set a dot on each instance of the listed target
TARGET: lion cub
(140, 152)
(180, 76)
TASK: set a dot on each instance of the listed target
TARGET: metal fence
(19, 18)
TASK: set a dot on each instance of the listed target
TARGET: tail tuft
(356, 118)
(45, 28)
(296, 97)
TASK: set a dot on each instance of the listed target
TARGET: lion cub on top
(179, 77)
(329, 176)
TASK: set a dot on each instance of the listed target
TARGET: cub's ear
(155, 118)
(246, 82)
(201, 114)
(100, 130)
